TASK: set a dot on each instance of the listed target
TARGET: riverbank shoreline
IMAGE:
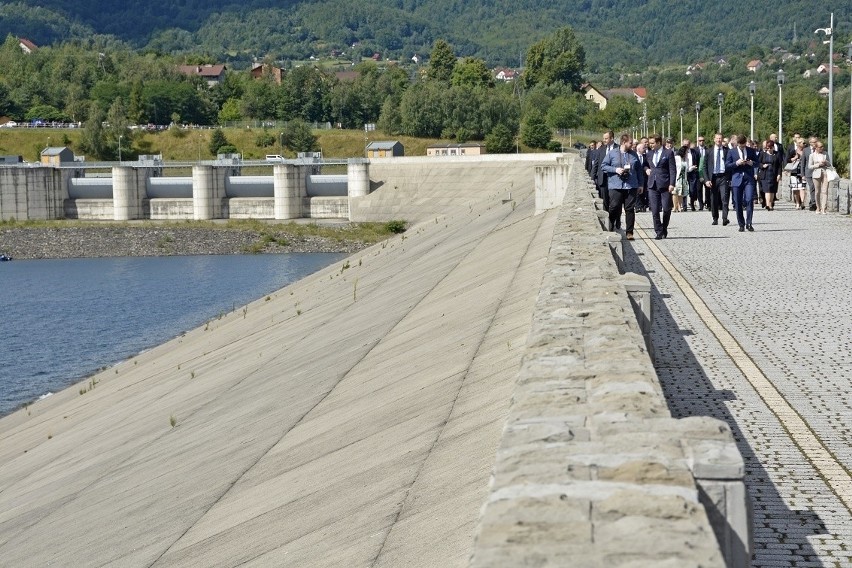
(61, 240)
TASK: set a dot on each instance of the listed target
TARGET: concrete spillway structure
(380, 413)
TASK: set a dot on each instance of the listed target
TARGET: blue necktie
(718, 161)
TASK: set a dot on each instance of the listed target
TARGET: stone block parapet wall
(592, 470)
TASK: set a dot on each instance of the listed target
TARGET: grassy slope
(188, 145)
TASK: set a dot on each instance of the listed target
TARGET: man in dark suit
(714, 178)
(692, 175)
(702, 155)
(601, 176)
(740, 166)
(590, 156)
(661, 173)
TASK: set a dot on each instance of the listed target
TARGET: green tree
(230, 111)
(558, 58)
(565, 112)
(471, 72)
(217, 141)
(442, 62)
(93, 139)
(500, 140)
(534, 132)
(298, 136)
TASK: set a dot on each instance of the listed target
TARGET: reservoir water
(63, 319)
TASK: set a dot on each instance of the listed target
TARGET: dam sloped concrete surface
(350, 419)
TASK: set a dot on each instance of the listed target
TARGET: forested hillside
(616, 33)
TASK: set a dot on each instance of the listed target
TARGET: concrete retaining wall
(32, 193)
(592, 469)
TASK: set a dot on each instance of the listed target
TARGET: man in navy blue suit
(660, 173)
(739, 164)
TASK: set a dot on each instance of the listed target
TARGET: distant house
(823, 69)
(504, 74)
(754, 65)
(213, 74)
(463, 149)
(593, 94)
(823, 92)
(258, 71)
(601, 98)
(721, 62)
(26, 45)
(387, 149)
(810, 73)
(377, 56)
(694, 68)
(56, 155)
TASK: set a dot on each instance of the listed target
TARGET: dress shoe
(742, 229)
(725, 222)
(715, 222)
(750, 228)
(665, 233)
(659, 237)
(629, 236)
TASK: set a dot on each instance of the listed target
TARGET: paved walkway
(756, 329)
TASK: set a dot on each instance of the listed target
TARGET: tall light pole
(828, 32)
(720, 98)
(120, 136)
(682, 111)
(663, 125)
(697, 110)
(751, 89)
(781, 78)
(849, 47)
(645, 117)
(669, 118)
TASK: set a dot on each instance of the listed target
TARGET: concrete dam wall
(474, 392)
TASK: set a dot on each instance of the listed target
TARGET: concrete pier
(208, 191)
(289, 189)
(129, 192)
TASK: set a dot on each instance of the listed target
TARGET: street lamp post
(645, 117)
(781, 76)
(697, 110)
(751, 89)
(828, 32)
(654, 125)
(682, 111)
(669, 118)
(120, 136)
(663, 124)
(849, 173)
(720, 98)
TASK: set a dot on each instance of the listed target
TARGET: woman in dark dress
(768, 173)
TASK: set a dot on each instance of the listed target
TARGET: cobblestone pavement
(783, 293)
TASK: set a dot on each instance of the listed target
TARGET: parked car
(10, 124)
(274, 158)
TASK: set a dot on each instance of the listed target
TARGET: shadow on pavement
(780, 533)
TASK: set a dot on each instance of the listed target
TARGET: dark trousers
(694, 191)
(626, 199)
(720, 195)
(744, 200)
(660, 200)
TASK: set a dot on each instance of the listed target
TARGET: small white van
(274, 158)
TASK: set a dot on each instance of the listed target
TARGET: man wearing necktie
(715, 180)
(740, 166)
(661, 173)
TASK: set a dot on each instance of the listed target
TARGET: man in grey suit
(661, 173)
(714, 178)
(600, 176)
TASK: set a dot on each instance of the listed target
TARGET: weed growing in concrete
(49, 436)
(344, 267)
(172, 420)
(355, 290)
(268, 298)
(192, 374)
(245, 311)
(359, 262)
(298, 310)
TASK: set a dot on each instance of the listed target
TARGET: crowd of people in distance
(733, 172)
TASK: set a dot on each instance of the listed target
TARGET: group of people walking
(649, 174)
